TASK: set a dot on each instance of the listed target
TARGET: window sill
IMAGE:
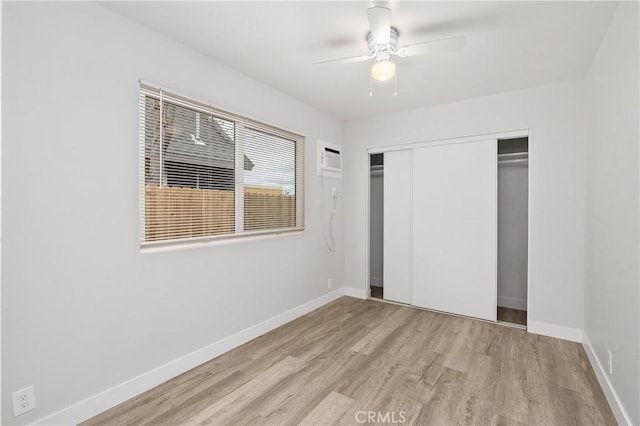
(187, 245)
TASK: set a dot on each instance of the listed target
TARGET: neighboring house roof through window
(196, 138)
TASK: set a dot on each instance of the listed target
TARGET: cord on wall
(328, 239)
(331, 245)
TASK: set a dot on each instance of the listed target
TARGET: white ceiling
(510, 46)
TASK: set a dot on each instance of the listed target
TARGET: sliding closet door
(397, 226)
(455, 228)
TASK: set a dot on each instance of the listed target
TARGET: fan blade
(444, 45)
(346, 60)
(380, 24)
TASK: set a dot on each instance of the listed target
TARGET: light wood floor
(360, 355)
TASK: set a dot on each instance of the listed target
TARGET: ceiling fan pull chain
(370, 85)
(395, 85)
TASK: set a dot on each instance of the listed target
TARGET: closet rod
(514, 161)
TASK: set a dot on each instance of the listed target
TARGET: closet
(513, 218)
(376, 224)
(444, 245)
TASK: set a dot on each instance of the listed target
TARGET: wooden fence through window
(174, 212)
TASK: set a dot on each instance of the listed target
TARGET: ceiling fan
(382, 42)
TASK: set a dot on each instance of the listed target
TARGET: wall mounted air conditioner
(329, 159)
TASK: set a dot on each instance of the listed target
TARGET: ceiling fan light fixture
(383, 70)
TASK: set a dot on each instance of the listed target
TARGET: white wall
(376, 226)
(1, 10)
(82, 308)
(556, 171)
(512, 235)
(612, 296)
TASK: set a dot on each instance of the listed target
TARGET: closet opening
(376, 225)
(513, 218)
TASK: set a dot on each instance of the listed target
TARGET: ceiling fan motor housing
(383, 51)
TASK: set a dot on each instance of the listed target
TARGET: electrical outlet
(330, 283)
(23, 400)
(610, 361)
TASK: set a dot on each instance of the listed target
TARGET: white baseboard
(552, 330)
(622, 417)
(512, 303)
(375, 281)
(111, 397)
(356, 292)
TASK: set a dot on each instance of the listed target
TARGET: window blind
(208, 174)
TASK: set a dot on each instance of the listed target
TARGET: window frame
(241, 123)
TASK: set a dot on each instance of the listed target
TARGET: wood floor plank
(384, 328)
(511, 383)
(358, 358)
(392, 381)
(178, 411)
(479, 394)
(319, 376)
(384, 363)
(461, 353)
(224, 409)
(329, 411)
(498, 420)
(441, 405)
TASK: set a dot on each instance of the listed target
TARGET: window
(208, 174)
